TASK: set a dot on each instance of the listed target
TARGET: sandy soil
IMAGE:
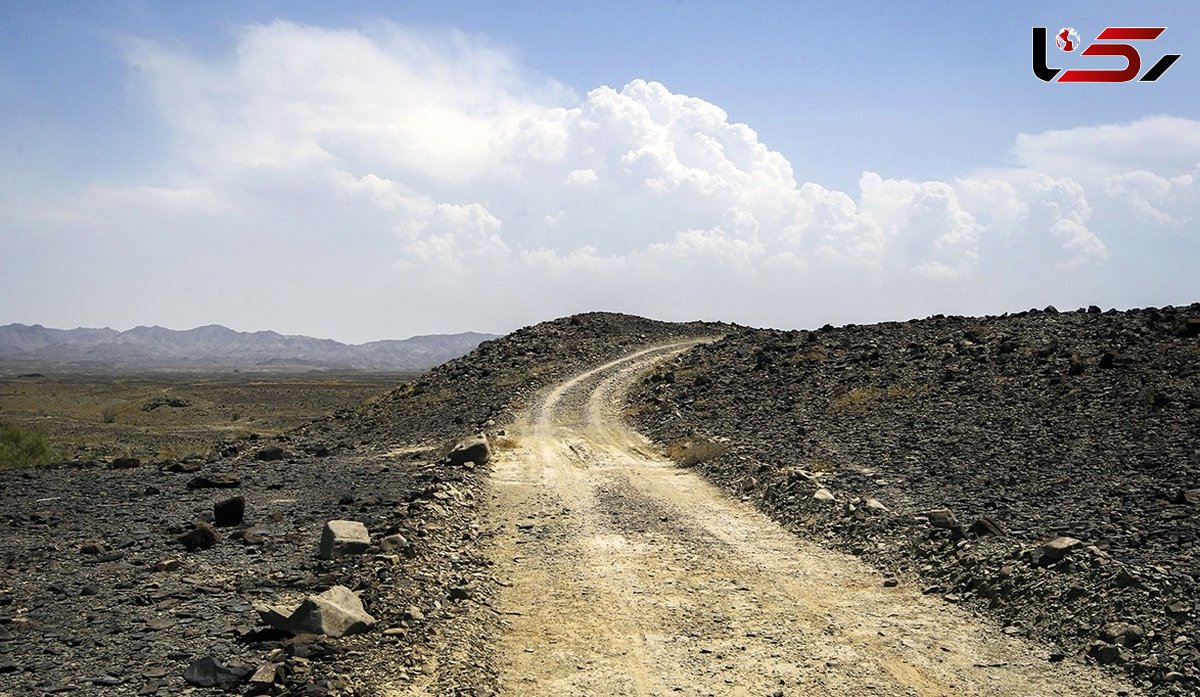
(626, 575)
(99, 416)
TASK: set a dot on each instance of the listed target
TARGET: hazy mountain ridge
(216, 346)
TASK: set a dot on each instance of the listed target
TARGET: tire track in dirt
(626, 575)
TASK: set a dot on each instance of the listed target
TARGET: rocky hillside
(1043, 467)
(485, 388)
(217, 347)
(127, 577)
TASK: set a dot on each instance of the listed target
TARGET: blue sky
(453, 166)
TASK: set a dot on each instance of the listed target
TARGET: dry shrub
(504, 443)
(20, 447)
(857, 398)
(689, 452)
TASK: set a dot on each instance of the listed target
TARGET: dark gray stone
(229, 512)
(209, 672)
(270, 454)
(474, 449)
(203, 536)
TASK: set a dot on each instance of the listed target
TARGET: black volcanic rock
(270, 453)
(203, 536)
(229, 512)
(1038, 426)
(209, 672)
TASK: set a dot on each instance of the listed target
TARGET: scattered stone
(186, 467)
(1189, 329)
(1187, 497)
(255, 536)
(209, 672)
(125, 463)
(337, 612)
(157, 624)
(1179, 608)
(167, 565)
(985, 526)
(943, 518)
(267, 674)
(474, 449)
(203, 536)
(873, 504)
(1059, 547)
(229, 512)
(105, 680)
(1123, 633)
(343, 537)
(396, 544)
(1124, 579)
(1106, 654)
(890, 582)
(214, 481)
(824, 494)
(93, 547)
(270, 454)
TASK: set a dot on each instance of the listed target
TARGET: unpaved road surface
(626, 575)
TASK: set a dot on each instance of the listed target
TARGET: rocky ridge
(212, 347)
(1041, 467)
(153, 578)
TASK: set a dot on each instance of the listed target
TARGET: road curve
(626, 575)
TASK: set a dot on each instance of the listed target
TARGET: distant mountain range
(217, 347)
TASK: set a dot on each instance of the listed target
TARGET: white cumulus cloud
(475, 175)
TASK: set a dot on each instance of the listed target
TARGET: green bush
(20, 447)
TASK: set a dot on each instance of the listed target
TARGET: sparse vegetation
(689, 452)
(857, 399)
(819, 465)
(505, 443)
(20, 447)
(810, 355)
(96, 417)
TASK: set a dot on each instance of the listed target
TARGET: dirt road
(626, 575)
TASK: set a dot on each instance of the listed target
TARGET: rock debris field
(1037, 470)
(129, 577)
(1042, 468)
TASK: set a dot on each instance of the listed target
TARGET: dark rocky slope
(1027, 427)
(99, 596)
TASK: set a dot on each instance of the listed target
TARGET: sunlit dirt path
(626, 575)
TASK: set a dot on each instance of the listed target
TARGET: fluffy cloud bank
(515, 191)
